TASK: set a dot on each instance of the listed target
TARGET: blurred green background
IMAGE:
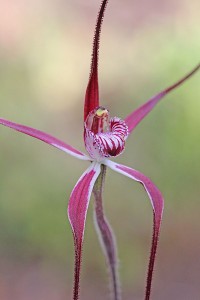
(45, 49)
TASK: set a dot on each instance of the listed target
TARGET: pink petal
(92, 92)
(77, 211)
(157, 203)
(136, 116)
(45, 138)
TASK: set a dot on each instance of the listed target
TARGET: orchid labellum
(104, 138)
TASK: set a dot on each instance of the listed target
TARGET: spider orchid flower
(104, 138)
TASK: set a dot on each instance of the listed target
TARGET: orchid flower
(104, 138)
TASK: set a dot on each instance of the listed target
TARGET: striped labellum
(104, 136)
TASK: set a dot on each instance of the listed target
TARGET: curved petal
(92, 91)
(136, 116)
(77, 211)
(157, 203)
(45, 138)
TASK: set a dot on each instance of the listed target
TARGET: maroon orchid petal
(45, 138)
(92, 92)
(157, 203)
(136, 116)
(77, 211)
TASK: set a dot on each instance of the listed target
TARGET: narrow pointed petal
(106, 235)
(157, 203)
(77, 211)
(136, 116)
(92, 91)
(45, 138)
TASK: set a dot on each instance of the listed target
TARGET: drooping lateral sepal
(77, 212)
(157, 203)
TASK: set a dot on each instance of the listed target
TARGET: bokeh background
(45, 49)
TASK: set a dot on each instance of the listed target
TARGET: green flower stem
(106, 236)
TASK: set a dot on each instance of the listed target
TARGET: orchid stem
(106, 236)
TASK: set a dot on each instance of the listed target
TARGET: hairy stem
(152, 257)
(106, 236)
(77, 268)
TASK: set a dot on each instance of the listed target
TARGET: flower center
(104, 137)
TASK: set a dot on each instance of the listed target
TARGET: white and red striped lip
(104, 137)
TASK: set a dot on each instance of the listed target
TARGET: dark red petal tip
(92, 91)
